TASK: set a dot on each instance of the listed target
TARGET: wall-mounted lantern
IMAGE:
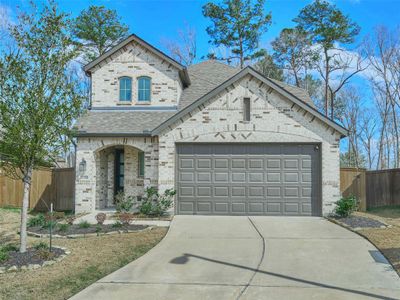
(82, 166)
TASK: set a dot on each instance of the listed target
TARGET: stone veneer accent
(135, 61)
(94, 188)
(274, 119)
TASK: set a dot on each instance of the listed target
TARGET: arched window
(125, 89)
(144, 88)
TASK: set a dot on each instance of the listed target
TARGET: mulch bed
(75, 229)
(31, 256)
(361, 222)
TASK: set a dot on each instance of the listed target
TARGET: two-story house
(230, 141)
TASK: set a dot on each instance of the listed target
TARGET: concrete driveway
(253, 258)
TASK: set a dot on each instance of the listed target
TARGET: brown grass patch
(90, 259)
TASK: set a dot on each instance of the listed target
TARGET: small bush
(126, 218)
(5, 250)
(70, 219)
(100, 218)
(123, 203)
(84, 224)
(44, 254)
(9, 248)
(345, 206)
(38, 220)
(117, 224)
(63, 227)
(41, 246)
(155, 204)
(98, 228)
(4, 256)
(146, 207)
(53, 224)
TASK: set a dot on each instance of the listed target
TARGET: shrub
(63, 227)
(156, 204)
(345, 206)
(146, 207)
(45, 254)
(53, 224)
(98, 228)
(70, 219)
(9, 248)
(38, 220)
(84, 224)
(100, 218)
(125, 218)
(4, 256)
(123, 203)
(117, 224)
(5, 250)
(41, 246)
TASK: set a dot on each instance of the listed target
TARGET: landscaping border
(36, 266)
(83, 235)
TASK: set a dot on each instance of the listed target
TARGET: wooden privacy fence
(371, 188)
(48, 185)
(352, 183)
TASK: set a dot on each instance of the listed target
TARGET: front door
(119, 170)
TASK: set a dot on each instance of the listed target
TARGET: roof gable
(134, 38)
(271, 83)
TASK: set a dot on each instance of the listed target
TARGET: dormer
(136, 74)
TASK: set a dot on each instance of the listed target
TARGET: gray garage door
(248, 179)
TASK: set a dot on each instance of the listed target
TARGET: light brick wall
(273, 119)
(94, 188)
(135, 61)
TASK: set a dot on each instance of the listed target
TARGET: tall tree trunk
(326, 81)
(24, 213)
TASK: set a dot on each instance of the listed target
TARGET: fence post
(362, 193)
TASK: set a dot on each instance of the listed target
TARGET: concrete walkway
(253, 258)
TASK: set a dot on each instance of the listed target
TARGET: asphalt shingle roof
(204, 77)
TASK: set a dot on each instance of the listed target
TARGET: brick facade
(135, 61)
(273, 119)
(220, 120)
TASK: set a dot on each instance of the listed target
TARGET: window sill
(124, 103)
(143, 103)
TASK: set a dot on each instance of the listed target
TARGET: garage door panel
(239, 207)
(256, 207)
(221, 207)
(241, 179)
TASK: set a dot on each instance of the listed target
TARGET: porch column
(85, 180)
(151, 164)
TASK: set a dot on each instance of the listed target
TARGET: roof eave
(113, 134)
(130, 38)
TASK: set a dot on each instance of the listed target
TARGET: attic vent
(246, 109)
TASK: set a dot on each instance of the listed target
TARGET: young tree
(38, 98)
(268, 68)
(237, 25)
(293, 52)
(327, 27)
(98, 29)
(184, 50)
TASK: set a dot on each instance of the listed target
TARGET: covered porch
(107, 166)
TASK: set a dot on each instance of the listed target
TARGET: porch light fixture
(82, 166)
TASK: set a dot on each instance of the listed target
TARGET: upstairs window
(144, 88)
(246, 109)
(125, 89)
